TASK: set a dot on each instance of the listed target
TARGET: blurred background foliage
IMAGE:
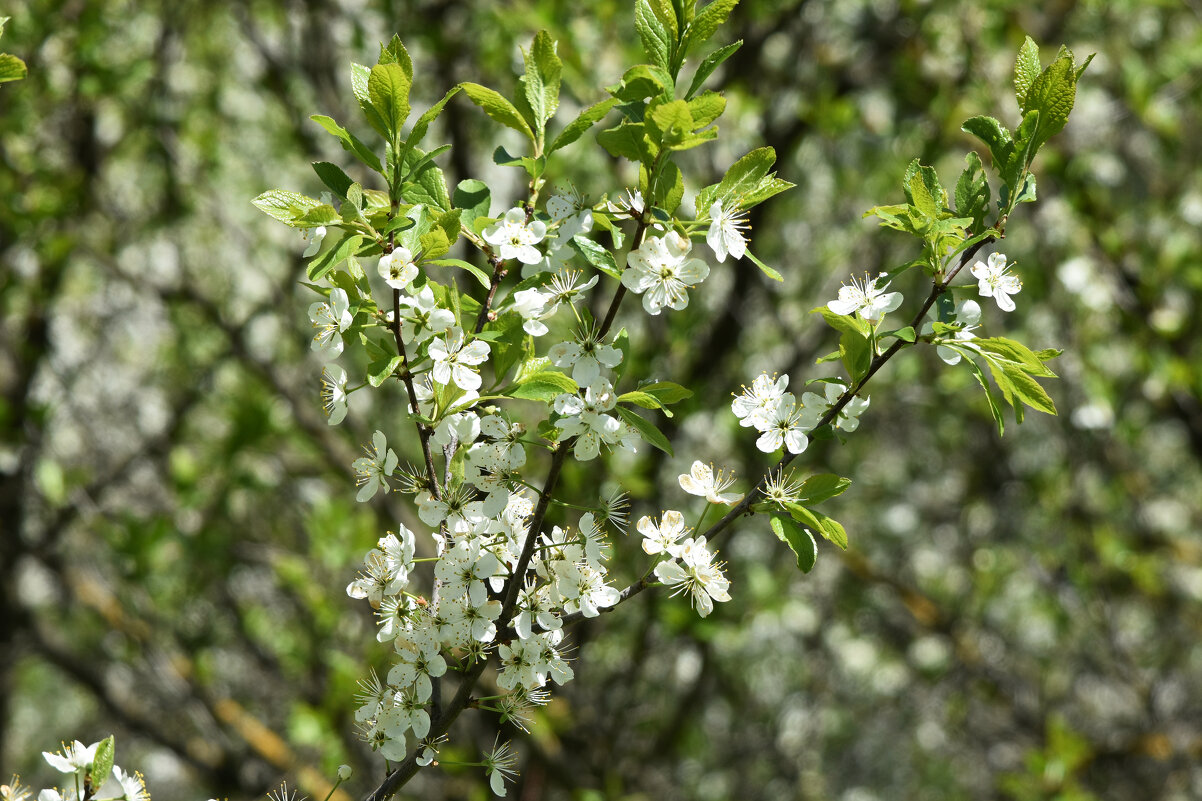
(1016, 618)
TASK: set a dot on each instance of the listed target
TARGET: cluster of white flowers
(688, 566)
(783, 421)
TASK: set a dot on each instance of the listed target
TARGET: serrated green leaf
(587, 119)
(799, 540)
(379, 371)
(638, 398)
(395, 53)
(844, 323)
(646, 429)
(349, 141)
(994, 407)
(476, 272)
(706, 107)
(829, 528)
(595, 255)
(1010, 350)
(1052, 93)
(1028, 390)
(743, 177)
(669, 188)
(102, 761)
(545, 385)
(669, 123)
(1026, 70)
(924, 192)
(704, 25)
(11, 68)
(498, 108)
(329, 259)
(629, 141)
(333, 177)
(388, 89)
(995, 136)
(857, 354)
(821, 487)
(711, 63)
(972, 192)
(658, 39)
(287, 207)
(666, 392)
(543, 71)
(434, 243)
(473, 198)
(426, 185)
(423, 122)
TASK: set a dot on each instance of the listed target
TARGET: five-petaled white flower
(786, 426)
(330, 319)
(994, 281)
(759, 401)
(421, 317)
(848, 418)
(515, 238)
(660, 272)
(454, 361)
(374, 468)
(702, 480)
(662, 538)
(75, 758)
(725, 233)
(586, 356)
(398, 268)
(867, 297)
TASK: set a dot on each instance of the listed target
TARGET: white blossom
(421, 317)
(868, 298)
(662, 538)
(313, 238)
(374, 468)
(757, 402)
(697, 574)
(995, 281)
(515, 238)
(455, 361)
(661, 273)
(585, 355)
(702, 480)
(330, 319)
(333, 393)
(725, 233)
(398, 268)
(786, 427)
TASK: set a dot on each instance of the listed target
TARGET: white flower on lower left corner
(372, 470)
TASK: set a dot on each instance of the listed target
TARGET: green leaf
(497, 107)
(395, 53)
(904, 334)
(434, 243)
(658, 39)
(423, 122)
(426, 185)
(349, 141)
(666, 392)
(924, 192)
(711, 63)
(1028, 390)
(479, 274)
(388, 88)
(629, 141)
(329, 259)
(545, 385)
(821, 487)
(543, 71)
(287, 207)
(829, 528)
(703, 26)
(333, 177)
(857, 354)
(843, 323)
(800, 541)
(972, 192)
(587, 119)
(670, 123)
(473, 198)
(1013, 351)
(995, 136)
(102, 762)
(1026, 70)
(1052, 93)
(743, 178)
(669, 187)
(764, 268)
(705, 108)
(595, 255)
(646, 430)
(643, 399)
(11, 68)
(994, 407)
(380, 370)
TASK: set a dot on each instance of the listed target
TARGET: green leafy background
(1014, 618)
